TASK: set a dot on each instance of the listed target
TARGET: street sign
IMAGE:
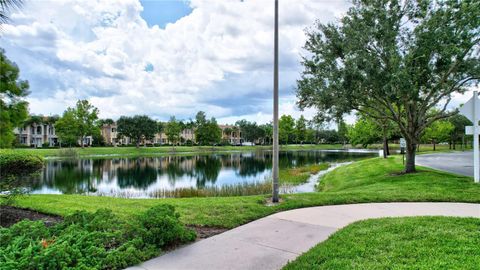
(403, 143)
(471, 110)
(469, 130)
(467, 109)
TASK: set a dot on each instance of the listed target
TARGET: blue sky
(163, 58)
(161, 12)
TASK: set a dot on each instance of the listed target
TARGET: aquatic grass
(237, 189)
(300, 175)
(68, 153)
(229, 190)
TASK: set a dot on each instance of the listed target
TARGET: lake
(142, 176)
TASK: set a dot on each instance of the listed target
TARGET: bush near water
(19, 163)
(84, 240)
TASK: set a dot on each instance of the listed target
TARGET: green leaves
(392, 61)
(13, 109)
(138, 127)
(77, 123)
(84, 240)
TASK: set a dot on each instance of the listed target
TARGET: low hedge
(99, 240)
(12, 162)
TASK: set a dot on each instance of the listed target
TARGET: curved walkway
(270, 242)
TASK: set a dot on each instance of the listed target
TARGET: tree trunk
(138, 143)
(385, 147)
(410, 163)
(82, 142)
(434, 146)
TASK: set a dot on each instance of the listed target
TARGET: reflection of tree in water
(139, 174)
(207, 169)
(251, 166)
(70, 176)
(84, 175)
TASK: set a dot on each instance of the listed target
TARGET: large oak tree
(393, 60)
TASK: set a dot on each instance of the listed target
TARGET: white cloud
(217, 59)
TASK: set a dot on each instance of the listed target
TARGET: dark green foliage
(250, 130)
(393, 60)
(138, 128)
(207, 132)
(19, 163)
(84, 240)
(13, 107)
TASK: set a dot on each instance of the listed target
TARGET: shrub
(84, 240)
(15, 163)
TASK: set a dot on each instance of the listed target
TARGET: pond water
(142, 176)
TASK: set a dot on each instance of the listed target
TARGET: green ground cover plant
(86, 240)
(398, 243)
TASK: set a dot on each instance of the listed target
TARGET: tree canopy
(13, 107)
(398, 59)
(77, 122)
(138, 128)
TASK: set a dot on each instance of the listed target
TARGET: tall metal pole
(476, 154)
(275, 110)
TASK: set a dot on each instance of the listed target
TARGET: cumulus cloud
(217, 59)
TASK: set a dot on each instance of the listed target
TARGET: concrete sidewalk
(270, 242)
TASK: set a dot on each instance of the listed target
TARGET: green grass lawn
(145, 151)
(370, 180)
(398, 243)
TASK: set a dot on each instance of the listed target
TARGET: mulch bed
(10, 215)
(205, 232)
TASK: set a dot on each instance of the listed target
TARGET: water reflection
(140, 176)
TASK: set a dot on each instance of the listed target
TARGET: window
(39, 130)
(114, 130)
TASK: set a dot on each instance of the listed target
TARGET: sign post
(471, 110)
(403, 145)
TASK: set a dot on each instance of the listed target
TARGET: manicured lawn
(142, 151)
(398, 243)
(371, 180)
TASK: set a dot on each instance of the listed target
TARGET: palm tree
(7, 6)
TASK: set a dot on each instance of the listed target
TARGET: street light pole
(275, 111)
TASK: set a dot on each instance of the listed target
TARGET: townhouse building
(36, 134)
(109, 132)
(40, 131)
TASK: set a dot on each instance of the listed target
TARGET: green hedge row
(99, 240)
(12, 162)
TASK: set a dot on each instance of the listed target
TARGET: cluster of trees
(395, 62)
(365, 131)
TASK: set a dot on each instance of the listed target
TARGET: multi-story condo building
(37, 134)
(40, 131)
(231, 134)
(111, 136)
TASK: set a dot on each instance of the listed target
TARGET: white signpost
(471, 110)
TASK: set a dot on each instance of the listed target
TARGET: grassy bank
(371, 180)
(145, 151)
(398, 243)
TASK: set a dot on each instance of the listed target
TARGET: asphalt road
(456, 162)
